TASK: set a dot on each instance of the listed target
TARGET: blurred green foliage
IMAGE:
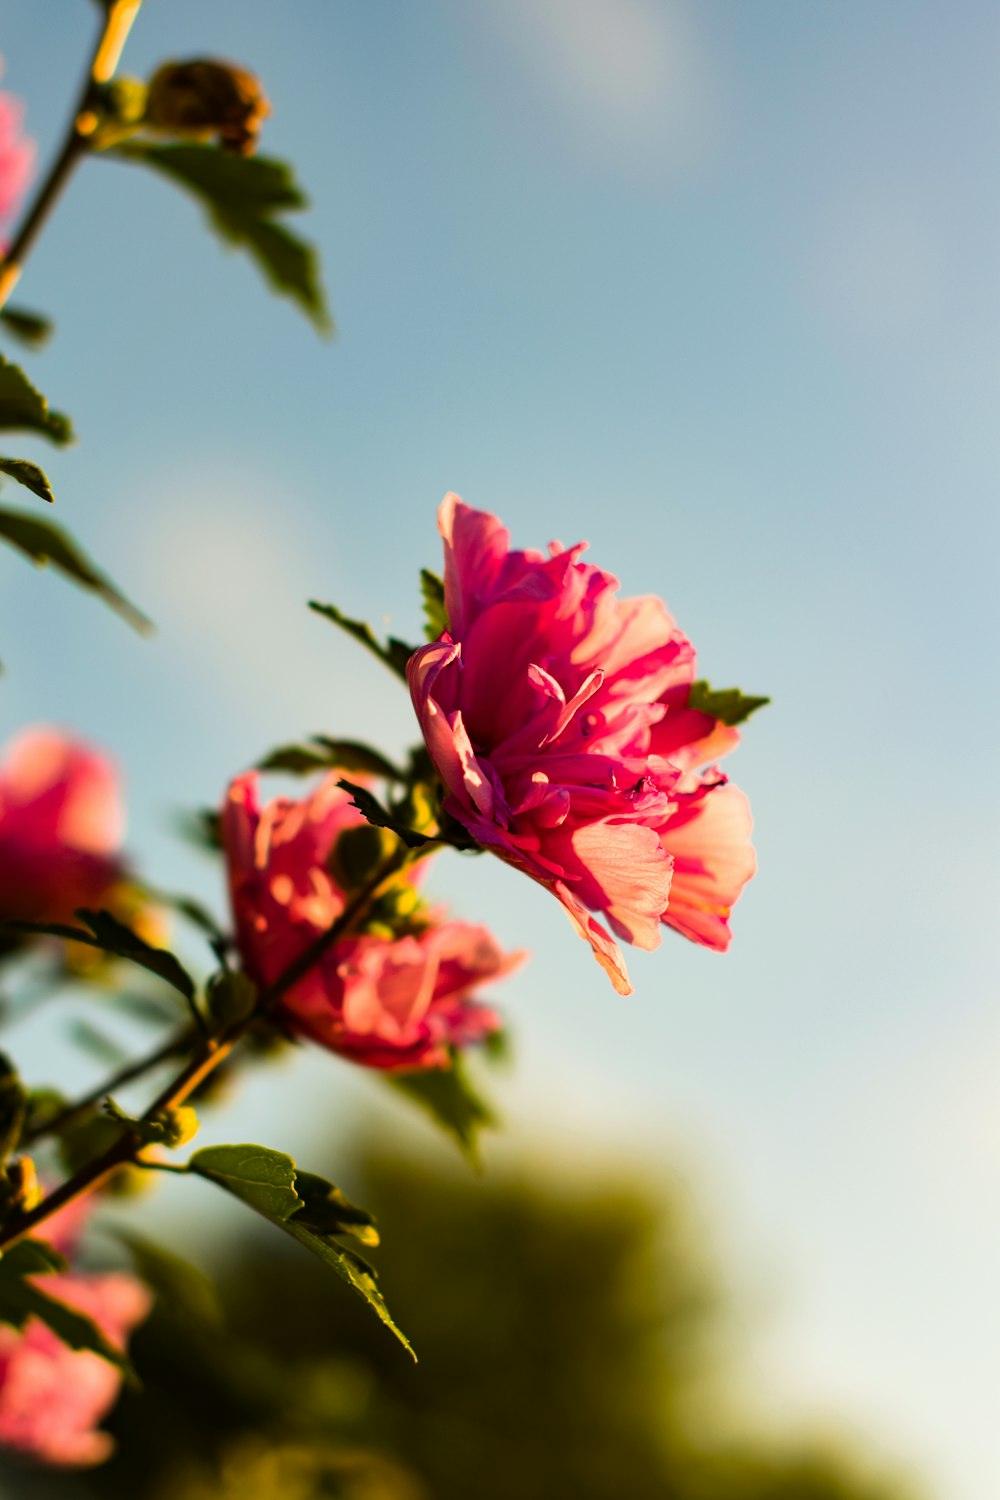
(570, 1342)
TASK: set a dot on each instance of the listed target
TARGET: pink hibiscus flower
(387, 1002)
(61, 823)
(52, 1397)
(557, 717)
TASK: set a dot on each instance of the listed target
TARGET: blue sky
(715, 287)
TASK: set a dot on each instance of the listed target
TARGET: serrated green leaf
(30, 475)
(324, 754)
(104, 931)
(42, 542)
(432, 592)
(243, 196)
(371, 808)
(358, 1274)
(23, 408)
(184, 1288)
(261, 1177)
(30, 327)
(21, 1299)
(394, 654)
(729, 705)
(327, 1211)
(304, 1206)
(448, 1096)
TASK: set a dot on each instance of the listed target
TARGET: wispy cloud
(632, 76)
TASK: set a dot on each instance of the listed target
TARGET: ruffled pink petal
(713, 860)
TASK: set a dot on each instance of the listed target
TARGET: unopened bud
(205, 98)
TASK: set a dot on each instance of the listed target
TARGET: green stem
(213, 1052)
(118, 23)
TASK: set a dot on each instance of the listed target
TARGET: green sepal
(394, 654)
(243, 197)
(230, 996)
(432, 592)
(30, 475)
(42, 543)
(728, 705)
(23, 408)
(449, 1097)
(21, 1299)
(308, 1208)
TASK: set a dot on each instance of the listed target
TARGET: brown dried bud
(205, 98)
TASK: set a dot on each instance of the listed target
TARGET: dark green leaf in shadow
(30, 475)
(21, 1299)
(44, 543)
(448, 1096)
(311, 1210)
(23, 408)
(394, 654)
(243, 196)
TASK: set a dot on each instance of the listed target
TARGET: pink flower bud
(17, 155)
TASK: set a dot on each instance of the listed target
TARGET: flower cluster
(558, 718)
(397, 993)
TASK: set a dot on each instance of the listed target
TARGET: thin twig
(117, 25)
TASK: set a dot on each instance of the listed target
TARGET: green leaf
(432, 590)
(371, 808)
(42, 543)
(449, 1097)
(728, 705)
(30, 475)
(358, 1274)
(394, 654)
(243, 196)
(323, 754)
(30, 327)
(261, 1177)
(23, 408)
(21, 1299)
(111, 936)
(328, 1211)
(201, 827)
(307, 1207)
(183, 1288)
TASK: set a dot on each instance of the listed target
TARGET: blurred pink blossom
(388, 1002)
(556, 715)
(61, 824)
(17, 155)
(52, 1397)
